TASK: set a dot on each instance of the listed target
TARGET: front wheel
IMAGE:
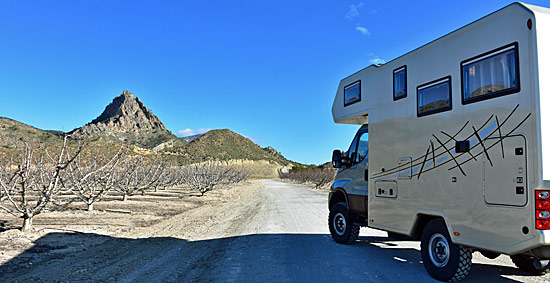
(531, 264)
(341, 225)
(442, 259)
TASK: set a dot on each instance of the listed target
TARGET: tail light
(542, 206)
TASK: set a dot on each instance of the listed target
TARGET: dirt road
(266, 231)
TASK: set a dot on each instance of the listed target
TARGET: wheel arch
(421, 222)
(338, 195)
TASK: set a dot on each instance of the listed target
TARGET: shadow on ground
(73, 256)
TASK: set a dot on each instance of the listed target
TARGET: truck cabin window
(362, 148)
(489, 75)
(359, 148)
(434, 96)
(352, 93)
(400, 83)
(352, 149)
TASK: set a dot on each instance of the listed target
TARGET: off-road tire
(442, 259)
(341, 226)
(527, 263)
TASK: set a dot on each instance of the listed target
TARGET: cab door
(358, 172)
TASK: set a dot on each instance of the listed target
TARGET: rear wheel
(341, 226)
(442, 259)
(531, 264)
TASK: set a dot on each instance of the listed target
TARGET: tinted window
(352, 93)
(352, 147)
(490, 75)
(434, 96)
(359, 146)
(400, 83)
(362, 148)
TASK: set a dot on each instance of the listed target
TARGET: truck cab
(352, 173)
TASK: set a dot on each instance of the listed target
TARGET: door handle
(366, 174)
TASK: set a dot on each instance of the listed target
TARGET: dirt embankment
(117, 237)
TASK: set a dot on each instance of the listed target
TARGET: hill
(225, 144)
(13, 133)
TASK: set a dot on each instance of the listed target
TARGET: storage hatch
(385, 188)
(505, 182)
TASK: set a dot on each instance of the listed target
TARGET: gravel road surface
(286, 238)
(272, 231)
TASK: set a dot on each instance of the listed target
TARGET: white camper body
(458, 129)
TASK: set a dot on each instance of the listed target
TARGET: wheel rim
(339, 224)
(439, 250)
(541, 264)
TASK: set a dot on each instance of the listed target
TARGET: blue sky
(268, 70)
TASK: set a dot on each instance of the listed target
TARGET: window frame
(486, 55)
(355, 144)
(357, 147)
(397, 70)
(344, 93)
(433, 83)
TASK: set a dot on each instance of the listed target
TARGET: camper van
(454, 146)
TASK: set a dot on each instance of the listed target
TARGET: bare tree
(169, 176)
(319, 177)
(234, 174)
(206, 176)
(7, 174)
(136, 174)
(149, 173)
(34, 182)
(316, 176)
(200, 176)
(90, 180)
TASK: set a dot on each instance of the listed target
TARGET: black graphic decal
(443, 145)
(483, 146)
(450, 154)
(424, 162)
(500, 137)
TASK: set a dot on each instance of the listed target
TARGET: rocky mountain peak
(127, 113)
(128, 120)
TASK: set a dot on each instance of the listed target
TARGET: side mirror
(337, 158)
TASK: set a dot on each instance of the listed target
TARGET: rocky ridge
(126, 119)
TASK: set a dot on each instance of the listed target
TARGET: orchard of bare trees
(318, 177)
(35, 177)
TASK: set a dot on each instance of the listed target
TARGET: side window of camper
(434, 97)
(352, 93)
(491, 74)
(400, 83)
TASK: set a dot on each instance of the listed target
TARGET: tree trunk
(124, 197)
(27, 223)
(91, 206)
